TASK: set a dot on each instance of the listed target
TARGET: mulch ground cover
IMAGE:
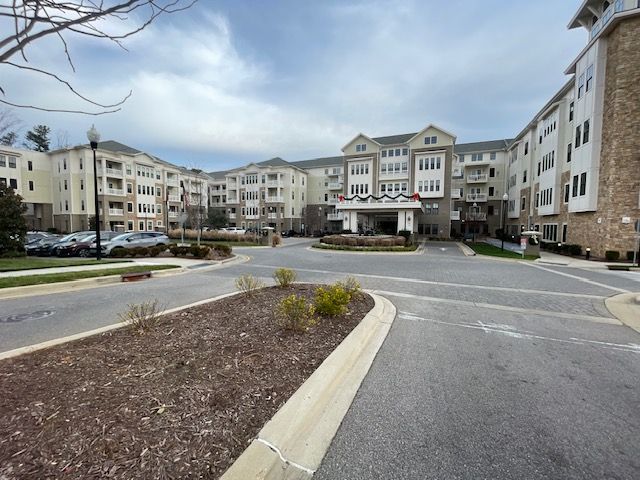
(182, 400)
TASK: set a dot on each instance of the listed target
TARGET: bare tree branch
(35, 19)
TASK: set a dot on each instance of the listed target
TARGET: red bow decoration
(416, 197)
(341, 198)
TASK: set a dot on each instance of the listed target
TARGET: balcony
(272, 216)
(455, 215)
(275, 200)
(477, 178)
(116, 211)
(174, 198)
(332, 201)
(392, 175)
(275, 184)
(173, 214)
(476, 197)
(172, 182)
(476, 217)
(455, 194)
(114, 191)
(619, 6)
(335, 186)
(232, 216)
(111, 172)
(332, 217)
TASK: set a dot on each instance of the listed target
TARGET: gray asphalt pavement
(492, 370)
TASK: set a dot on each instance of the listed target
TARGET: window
(492, 172)
(438, 163)
(589, 77)
(158, 191)
(461, 158)
(81, 163)
(581, 86)
(82, 205)
(574, 186)
(550, 232)
(526, 148)
(571, 112)
(405, 166)
(31, 185)
(66, 205)
(66, 185)
(492, 155)
(583, 183)
(523, 203)
(366, 169)
(569, 153)
(384, 153)
(537, 199)
(13, 183)
(539, 165)
(361, 147)
(566, 193)
(524, 177)
(129, 207)
(12, 162)
(129, 188)
(3, 161)
(353, 169)
(405, 151)
(30, 166)
(397, 152)
(391, 153)
(585, 134)
(383, 168)
(491, 191)
(434, 139)
(490, 210)
(64, 163)
(81, 184)
(578, 135)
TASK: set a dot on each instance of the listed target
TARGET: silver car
(134, 239)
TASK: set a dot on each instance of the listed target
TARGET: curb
(467, 251)
(293, 443)
(78, 336)
(86, 283)
(418, 251)
(626, 308)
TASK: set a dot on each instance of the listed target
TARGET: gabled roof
(218, 175)
(273, 162)
(117, 147)
(319, 162)
(357, 136)
(395, 139)
(492, 145)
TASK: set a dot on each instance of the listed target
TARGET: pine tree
(13, 226)
(38, 138)
(9, 139)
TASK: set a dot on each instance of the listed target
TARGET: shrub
(143, 316)
(331, 300)
(387, 242)
(630, 255)
(223, 250)
(407, 236)
(248, 284)
(612, 255)
(294, 313)
(360, 241)
(351, 241)
(575, 249)
(140, 251)
(351, 286)
(401, 241)
(199, 251)
(284, 276)
(119, 252)
(216, 235)
(276, 240)
(157, 250)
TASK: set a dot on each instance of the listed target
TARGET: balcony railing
(334, 216)
(272, 216)
(619, 6)
(335, 186)
(116, 211)
(476, 216)
(232, 216)
(275, 183)
(114, 191)
(111, 172)
(173, 214)
(173, 182)
(274, 200)
(476, 197)
(455, 215)
(387, 175)
(455, 194)
(477, 178)
(174, 198)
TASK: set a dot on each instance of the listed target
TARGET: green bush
(612, 255)
(119, 252)
(284, 276)
(199, 251)
(351, 286)
(575, 249)
(223, 250)
(140, 251)
(331, 300)
(157, 250)
(248, 284)
(143, 317)
(407, 236)
(630, 255)
(294, 313)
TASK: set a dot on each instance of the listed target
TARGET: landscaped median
(492, 251)
(183, 395)
(361, 243)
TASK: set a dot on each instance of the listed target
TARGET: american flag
(185, 196)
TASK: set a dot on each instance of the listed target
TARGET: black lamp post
(505, 199)
(474, 218)
(94, 137)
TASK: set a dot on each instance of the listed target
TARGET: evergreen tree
(38, 138)
(217, 218)
(9, 139)
(13, 226)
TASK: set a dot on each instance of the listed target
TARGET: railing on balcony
(172, 182)
(111, 172)
(232, 216)
(174, 198)
(477, 178)
(386, 175)
(335, 186)
(272, 216)
(476, 216)
(116, 211)
(275, 183)
(173, 214)
(455, 215)
(455, 194)
(476, 197)
(115, 191)
(332, 201)
(619, 6)
(274, 199)
(332, 217)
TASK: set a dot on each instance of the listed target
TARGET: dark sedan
(42, 247)
(86, 247)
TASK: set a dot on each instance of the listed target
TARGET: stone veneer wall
(619, 182)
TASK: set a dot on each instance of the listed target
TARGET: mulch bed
(181, 401)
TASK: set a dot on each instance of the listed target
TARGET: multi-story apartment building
(478, 185)
(573, 170)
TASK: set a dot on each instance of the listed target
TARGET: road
(493, 369)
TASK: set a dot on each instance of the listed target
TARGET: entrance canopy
(362, 214)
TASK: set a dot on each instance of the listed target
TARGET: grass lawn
(349, 248)
(68, 276)
(29, 263)
(486, 249)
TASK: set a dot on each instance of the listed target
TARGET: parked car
(71, 238)
(133, 239)
(33, 237)
(237, 230)
(82, 248)
(42, 247)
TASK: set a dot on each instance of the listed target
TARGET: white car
(239, 231)
(134, 239)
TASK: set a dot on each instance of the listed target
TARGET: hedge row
(216, 235)
(564, 248)
(364, 241)
(201, 251)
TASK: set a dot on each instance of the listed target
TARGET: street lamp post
(505, 199)
(94, 137)
(474, 217)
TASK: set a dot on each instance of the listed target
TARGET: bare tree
(10, 125)
(62, 139)
(31, 20)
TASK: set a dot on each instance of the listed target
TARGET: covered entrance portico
(388, 216)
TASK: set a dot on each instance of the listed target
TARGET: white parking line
(445, 284)
(630, 347)
(575, 277)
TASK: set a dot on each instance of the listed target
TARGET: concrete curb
(626, 308)
(467, 251)
(78, 336)
(293, 443)
(86, 283)
(418, 251)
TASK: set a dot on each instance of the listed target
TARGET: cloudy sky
(229, 82)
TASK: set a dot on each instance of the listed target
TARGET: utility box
(266, 237)
(532, 244)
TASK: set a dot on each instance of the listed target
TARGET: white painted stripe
(446, 284)
(284, 460)
(575, 277)
(504, 308)
(631, 347)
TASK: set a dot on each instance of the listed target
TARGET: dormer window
(430, 140)
(361, 147)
